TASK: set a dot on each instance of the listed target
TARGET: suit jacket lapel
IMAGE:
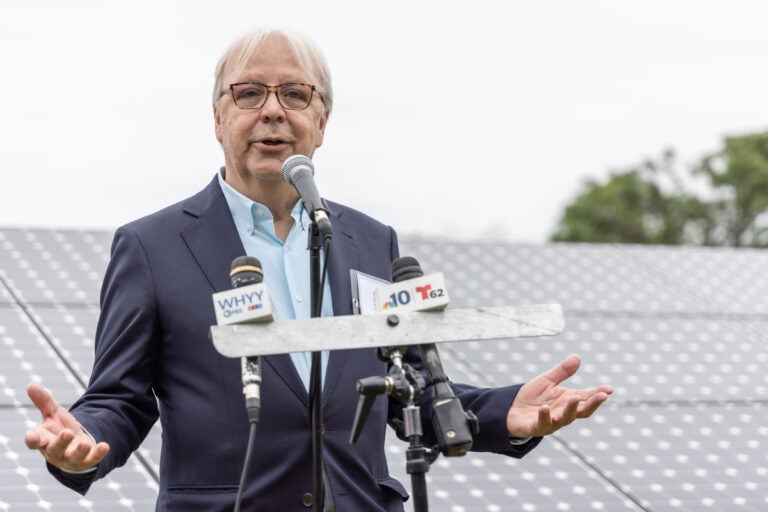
(342, 257)
(286, 370)
(212, 237)
(213, 241)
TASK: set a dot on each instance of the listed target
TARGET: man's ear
(217, 121)
(322, 122)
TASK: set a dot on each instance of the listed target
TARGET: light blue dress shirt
(285, 264)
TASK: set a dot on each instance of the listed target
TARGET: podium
(387, 330)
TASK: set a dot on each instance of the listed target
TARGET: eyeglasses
(249, 95)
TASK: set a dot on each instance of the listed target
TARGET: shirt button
(299, 298)
(307, 499)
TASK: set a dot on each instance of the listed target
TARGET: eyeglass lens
(291, 96)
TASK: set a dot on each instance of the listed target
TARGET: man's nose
(272, 108)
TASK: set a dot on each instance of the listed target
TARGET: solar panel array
(677, 331)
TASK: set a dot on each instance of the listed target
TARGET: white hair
(308, 54)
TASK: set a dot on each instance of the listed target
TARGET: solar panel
(678, 331)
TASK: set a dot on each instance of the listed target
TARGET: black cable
(248, 451)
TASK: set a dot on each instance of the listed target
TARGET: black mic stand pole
(405, 384)
(314, 245)
(418, 457)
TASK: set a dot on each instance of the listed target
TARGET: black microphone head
(406, 268)
(245, 270)
(297, 164)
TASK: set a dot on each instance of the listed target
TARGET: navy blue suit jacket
(154, 359)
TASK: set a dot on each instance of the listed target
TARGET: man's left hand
(543, 406)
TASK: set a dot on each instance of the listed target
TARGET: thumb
(564, 370)
(42, 399)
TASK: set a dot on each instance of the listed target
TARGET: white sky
(458, 119)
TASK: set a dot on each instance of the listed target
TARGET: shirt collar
(250, 215)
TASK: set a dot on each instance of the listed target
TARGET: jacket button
(307, 499)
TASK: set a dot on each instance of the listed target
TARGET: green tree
(650, 203)
(646, 204)
(739, 175)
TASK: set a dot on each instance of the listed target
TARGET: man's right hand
(59, 436)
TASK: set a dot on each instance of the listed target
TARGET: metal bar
(407, 328)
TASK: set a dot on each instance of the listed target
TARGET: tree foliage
(651, 203)
(739, 172)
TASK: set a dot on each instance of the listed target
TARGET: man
(272, 99)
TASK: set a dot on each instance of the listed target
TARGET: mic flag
(248, 300)
(412, 290)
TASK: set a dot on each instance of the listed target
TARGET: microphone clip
(403, 383)
(251, 371)
(321, 217)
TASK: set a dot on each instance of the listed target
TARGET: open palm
(59, 436)
(543, 406)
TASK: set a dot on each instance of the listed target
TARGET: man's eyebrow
(285, 79)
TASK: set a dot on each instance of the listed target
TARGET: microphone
(411, 290)
(453, 427)
(299, 171)
(246, 277)
(246, 272)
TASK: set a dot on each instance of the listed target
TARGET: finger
(590, 392)
(588, 407)
(42, 400)
(56, 448)
(570, 411)
(95, 455)
(36, 439)
(83, 454)
(77, 452)
(545, 419)
(565, 369)
(605, 388)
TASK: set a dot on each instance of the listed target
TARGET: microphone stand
(314, 245)
(405, 384)
(453, 427)
(418, 457)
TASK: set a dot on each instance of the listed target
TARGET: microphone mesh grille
(292, 163)
(404, 268)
